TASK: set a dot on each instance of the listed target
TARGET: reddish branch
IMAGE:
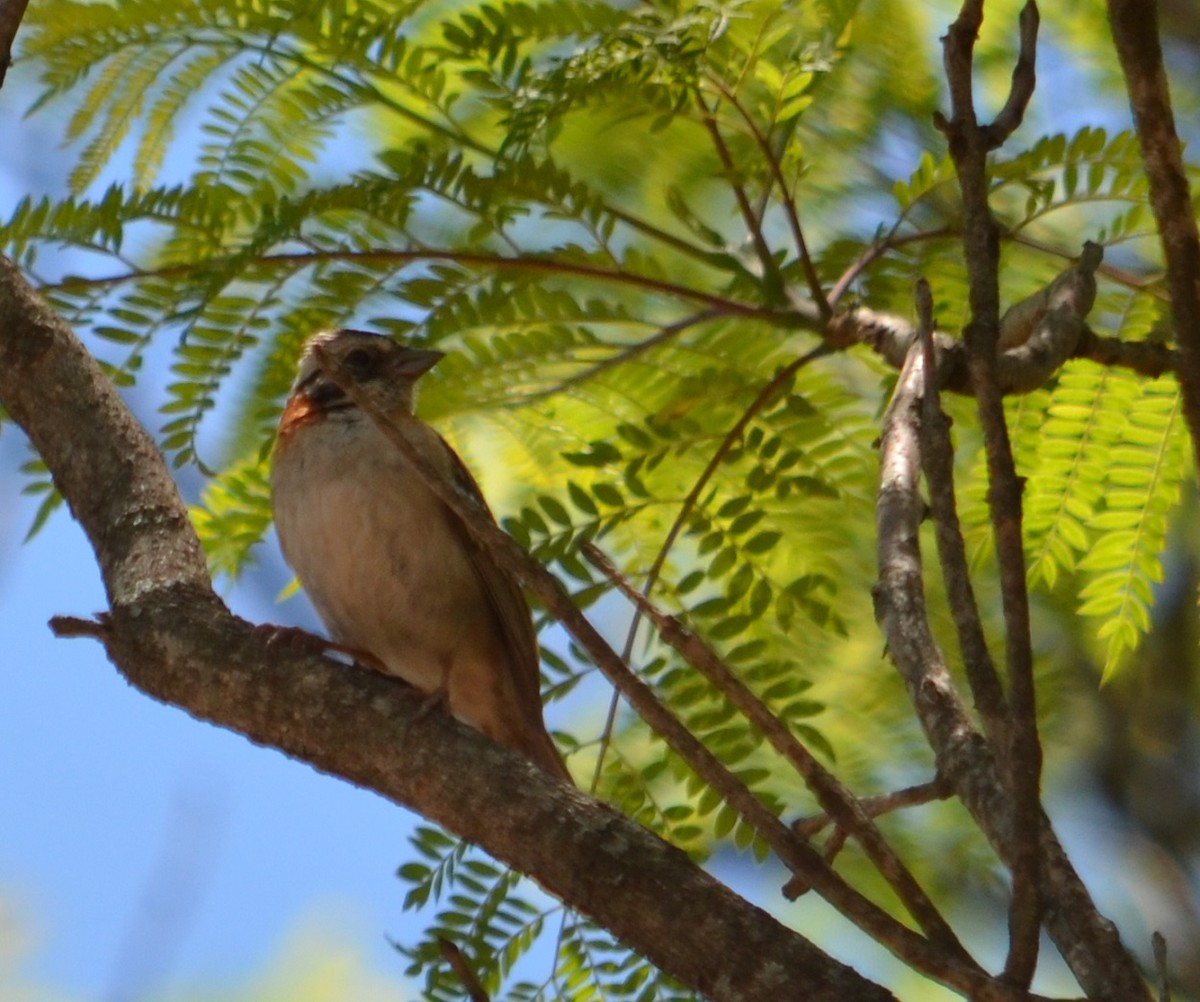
(837, 801)
(1134, 26)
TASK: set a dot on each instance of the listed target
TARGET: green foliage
(558, 194)
(233, 515)
(488, 913)
(1106, 453)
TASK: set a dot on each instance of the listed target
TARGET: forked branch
(964, 757)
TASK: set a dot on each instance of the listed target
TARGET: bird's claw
(300, 639)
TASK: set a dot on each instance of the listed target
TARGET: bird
(389, 568)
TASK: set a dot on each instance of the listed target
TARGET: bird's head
(389, 369)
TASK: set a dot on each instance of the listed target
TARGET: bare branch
(1072, 291)
(1148, 358)
(884, 803)
(1024, 78)
(969, 144)
(1134, 26)
(11, 13)
(938, 461)
(1089, 943)
(1036, 336)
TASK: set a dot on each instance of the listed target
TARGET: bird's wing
(503, 594)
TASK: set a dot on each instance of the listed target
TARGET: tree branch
(11, 13)
(791, 213)
(772, 281)
(884, 803)
(1037, 335)
(969, 143)
(937, 455)
(1134, 26)
(1088, 942)
(838, 802)
(172, 638)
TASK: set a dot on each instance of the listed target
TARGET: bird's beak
(416, 362)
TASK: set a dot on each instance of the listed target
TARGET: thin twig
(665, 334)
(785, 192)
(462, 970)
(794, 316)
(764, 396)
(880, 247)
(772, 280)
(885, 803)
(833, 797)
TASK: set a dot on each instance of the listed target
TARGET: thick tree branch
(1147, 358)
(171, 637)
(1037, 335)
(1134, 26)
(1088, 942)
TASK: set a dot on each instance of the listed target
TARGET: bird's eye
(360, 362)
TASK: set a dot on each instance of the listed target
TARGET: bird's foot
(310, 643)
(431, 702)
(439, 699)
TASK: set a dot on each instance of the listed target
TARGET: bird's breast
(374, 549)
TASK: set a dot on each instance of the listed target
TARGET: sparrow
(389, 567)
